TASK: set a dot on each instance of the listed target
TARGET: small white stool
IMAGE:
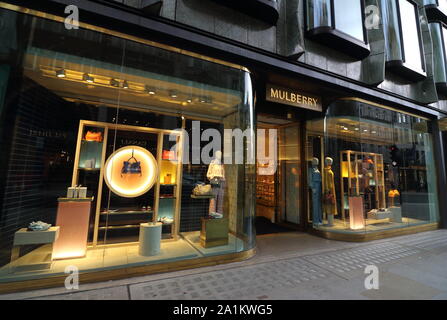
(150, 237)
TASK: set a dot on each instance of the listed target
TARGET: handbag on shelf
(93, 136)
(215, 181)
(131, 166)
(202, 190)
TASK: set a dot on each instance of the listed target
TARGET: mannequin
(216, 176)
(329, 200)
(315, 186)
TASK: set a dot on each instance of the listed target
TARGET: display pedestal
(150, 238)
(73, 217)
(214, 232)
(36, 261)
(356, 220)
(396, 214)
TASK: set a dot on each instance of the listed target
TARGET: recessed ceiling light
(365, 130)
(150, 90)
(60, 73)
(125, 84)
(173, 94)
(114, 83)
(88, 78)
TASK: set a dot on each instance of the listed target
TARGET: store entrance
(278, 191)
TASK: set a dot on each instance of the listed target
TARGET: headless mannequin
(315, 186)
(216, 175)
(330, 209)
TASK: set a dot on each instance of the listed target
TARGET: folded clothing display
(38, 226)
(166, 220)
(216, 215)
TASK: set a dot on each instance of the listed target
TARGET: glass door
(289, 174)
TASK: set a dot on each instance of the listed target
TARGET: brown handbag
(329, 198)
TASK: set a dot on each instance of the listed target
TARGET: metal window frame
(418, 25)
(400, 66)
(337, 39)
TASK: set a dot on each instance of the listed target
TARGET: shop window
(436, 10)
(264, 10)
(376, 175)
(439, 37)
(403, 39)
(94, 131)
(329, 22)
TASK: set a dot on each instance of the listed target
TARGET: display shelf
(126, 212)
(362, 176)
(202, 197)
(128, 226)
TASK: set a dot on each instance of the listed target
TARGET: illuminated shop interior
(121, 132)
(382, 164)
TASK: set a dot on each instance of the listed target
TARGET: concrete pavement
(292, 266)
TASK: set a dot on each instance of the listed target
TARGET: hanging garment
(329, 196)
(315, 186)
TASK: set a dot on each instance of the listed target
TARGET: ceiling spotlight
(61, 73)
(114, 83)
(150, 90)
(373, 132)
(344, 128)
(87, 78)
(125, 84)
(365, 130)
(173, 94)
(205, 99)
(357, 129)
(189, 100)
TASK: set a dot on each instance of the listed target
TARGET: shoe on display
(39, 226)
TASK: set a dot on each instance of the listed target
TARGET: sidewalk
(292, 266)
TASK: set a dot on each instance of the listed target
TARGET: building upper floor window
(338, 24)
(439, 37)
(264, 10)
(403, 38)
(436, 9)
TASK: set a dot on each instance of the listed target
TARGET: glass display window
(100, 127)
(379, 168)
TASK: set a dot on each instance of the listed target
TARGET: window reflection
(410, 34)
(348, 17)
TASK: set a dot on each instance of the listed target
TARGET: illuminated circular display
(130, 171)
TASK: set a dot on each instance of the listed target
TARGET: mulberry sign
(293, 98)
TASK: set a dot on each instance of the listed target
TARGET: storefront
(103, 137)
(347, 168)
(110, 139)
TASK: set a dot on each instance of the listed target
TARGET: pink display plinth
(73, 219)
(356, 220)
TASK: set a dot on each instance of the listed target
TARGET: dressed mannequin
(315, 186)
(329, 200)
(216, 176)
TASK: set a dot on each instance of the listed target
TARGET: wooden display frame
(160, 134)
(353, 177)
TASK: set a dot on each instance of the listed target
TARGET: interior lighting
(88, 78)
